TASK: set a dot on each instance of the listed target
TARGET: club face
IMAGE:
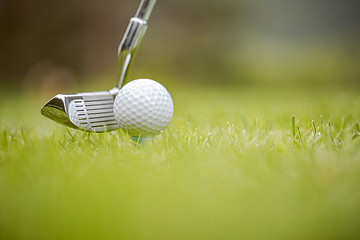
(92, 112)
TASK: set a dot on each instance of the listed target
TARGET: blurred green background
(233, 164)
(59, 46)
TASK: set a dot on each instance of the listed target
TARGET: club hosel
(129, 46)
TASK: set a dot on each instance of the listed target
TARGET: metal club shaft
(132, 39)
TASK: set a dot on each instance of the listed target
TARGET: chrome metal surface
(145, 9)
(131, 41)
(93, 111)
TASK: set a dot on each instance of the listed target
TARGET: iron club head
(93, 111)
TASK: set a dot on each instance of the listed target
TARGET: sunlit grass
(233, 164)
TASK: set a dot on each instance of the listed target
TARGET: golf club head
(92, 112)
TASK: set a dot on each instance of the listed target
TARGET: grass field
(233, 164)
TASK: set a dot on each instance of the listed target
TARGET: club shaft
(145, 9)
(132, 39)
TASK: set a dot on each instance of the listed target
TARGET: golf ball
(143, 108)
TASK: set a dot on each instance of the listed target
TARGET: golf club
(93, 111)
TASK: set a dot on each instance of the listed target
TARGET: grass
(250, 164)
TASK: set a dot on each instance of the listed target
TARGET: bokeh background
(62, 45)
(265, 138)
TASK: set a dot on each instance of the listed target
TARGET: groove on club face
(91, 112)
(99, 113)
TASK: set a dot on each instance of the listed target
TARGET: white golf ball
(143, 108)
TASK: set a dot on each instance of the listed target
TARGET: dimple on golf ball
(143, 108)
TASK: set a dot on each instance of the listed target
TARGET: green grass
(234, 164)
